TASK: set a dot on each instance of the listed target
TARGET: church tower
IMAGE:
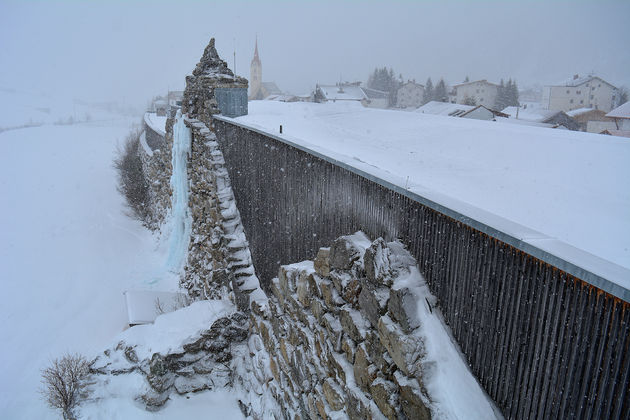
(255, 76)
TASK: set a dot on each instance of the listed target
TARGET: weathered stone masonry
(342, 340)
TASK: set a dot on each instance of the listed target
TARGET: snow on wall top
(566, 193)
(157, 124)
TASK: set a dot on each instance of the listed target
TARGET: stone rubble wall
(157, 168)
(204, 362)
(340, 339)
(219, 260)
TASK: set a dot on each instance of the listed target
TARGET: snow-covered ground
(67, 253)
(571, 186)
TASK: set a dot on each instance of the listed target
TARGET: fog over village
(315, 210)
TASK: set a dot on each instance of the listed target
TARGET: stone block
(373, 302)
(343, 254)
(376, 263)
(334, 394)
(403, 308)
(334, 329)
(405, 350)
(322, 262)
(352, 323)
(356, 408)
(351, 292)
(318, 309)
(363, 374)
(411, 400)
(287, 276)
(385, 396)
(330, 295)
(303, 289)
(348, 347)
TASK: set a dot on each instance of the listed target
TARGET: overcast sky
(131, 51)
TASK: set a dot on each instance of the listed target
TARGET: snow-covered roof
(579, 111)
(271, 88)
(375, 94)
(622, 111)
(342, 93)
(578, 81)
(444, 108)
(536, 115)
(483, 81)
(412, 83)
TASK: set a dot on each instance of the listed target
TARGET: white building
(580, 92)
(481, 91)
(410, 95)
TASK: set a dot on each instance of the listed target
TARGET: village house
(410, 95)
(478, 112)
(580, 92)
(596, 118)
(481, 92)
(370, 98)
(544, 116)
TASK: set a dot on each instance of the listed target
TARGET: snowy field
(67, 253)
(571, 186)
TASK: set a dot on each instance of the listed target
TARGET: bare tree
(65, 383)
(132, 183)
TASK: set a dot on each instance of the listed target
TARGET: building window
(577, 92)
(591, 96)
(571, 101)
(582, 101)
(568, 91)
(587, 85)
(600, 85)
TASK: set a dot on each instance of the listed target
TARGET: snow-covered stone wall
(157, 168)
(342, 340)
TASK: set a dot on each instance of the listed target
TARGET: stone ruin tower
(213, 88)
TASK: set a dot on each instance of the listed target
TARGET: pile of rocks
(342, 336)
(202, 363)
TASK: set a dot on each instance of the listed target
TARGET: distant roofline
(475, 81)
(586, 79)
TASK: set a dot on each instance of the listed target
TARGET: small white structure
(143, 306)
(481, 91)
(478, 112)
(410, 95)
(580, 92)
(444, 108)
(340, 92)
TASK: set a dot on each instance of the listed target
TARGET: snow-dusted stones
(336, 355)
(198, 364)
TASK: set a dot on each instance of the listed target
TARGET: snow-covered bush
(132, 183)
(65, 383)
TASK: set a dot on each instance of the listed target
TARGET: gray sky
(119, 50)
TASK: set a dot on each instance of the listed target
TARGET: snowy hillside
(67, 253)
(567, 185)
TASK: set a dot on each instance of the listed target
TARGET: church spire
(256, 58)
